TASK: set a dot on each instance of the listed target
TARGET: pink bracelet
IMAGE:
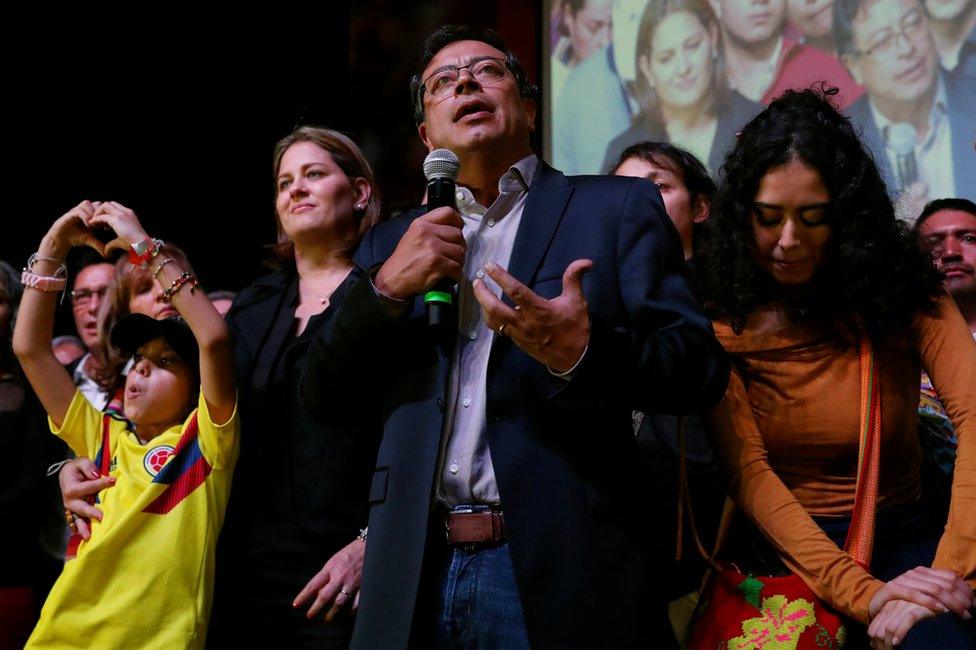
(42, 282)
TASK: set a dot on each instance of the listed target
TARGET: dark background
(176, 116)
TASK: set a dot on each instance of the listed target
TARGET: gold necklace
(323, 300)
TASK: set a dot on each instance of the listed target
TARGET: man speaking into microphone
(507, 506)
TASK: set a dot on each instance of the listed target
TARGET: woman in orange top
(805, 251)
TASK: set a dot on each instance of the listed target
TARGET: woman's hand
(123, 222)
(70, 230)
(336, 583)
(893, 622)
(938, 590)
(80, 481)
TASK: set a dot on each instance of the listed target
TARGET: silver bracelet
(61, 272)
(159, 268)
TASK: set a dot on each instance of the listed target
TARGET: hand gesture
(553, 332)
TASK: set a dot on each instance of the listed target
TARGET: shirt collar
(79, 372)
(516, 180)
(937, 113)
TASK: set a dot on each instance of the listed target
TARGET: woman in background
(804, 264)
(681, 89)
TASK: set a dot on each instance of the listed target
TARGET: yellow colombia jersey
(145, 578)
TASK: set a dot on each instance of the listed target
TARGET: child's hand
(80, 482)
(72, 229)
(123, 221)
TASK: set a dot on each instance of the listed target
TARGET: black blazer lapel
(961, 99)
(544, 209)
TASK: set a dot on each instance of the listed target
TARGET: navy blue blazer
(565, 458)
(961, 104)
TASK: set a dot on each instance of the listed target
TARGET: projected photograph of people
(692, 73)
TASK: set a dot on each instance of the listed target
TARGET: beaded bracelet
(186, 278)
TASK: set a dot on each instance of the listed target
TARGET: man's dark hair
(963, 205)
(845, 11)
(82, 257)
(448, 34)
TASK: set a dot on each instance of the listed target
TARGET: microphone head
(901, 138)
(441, 163)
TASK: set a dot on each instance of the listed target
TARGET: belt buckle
(464, 509)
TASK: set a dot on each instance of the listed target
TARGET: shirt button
(466, 401)
(459, 196)
(480, 274)
(454, 467)
(472, 335)
(491, 222)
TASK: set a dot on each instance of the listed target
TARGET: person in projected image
(683, 96)
(585, 28)
(887, 46)
(761, 62)
(814, 20)
(953, 25)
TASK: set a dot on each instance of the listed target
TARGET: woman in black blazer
(290, 553)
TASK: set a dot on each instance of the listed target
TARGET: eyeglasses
(884, 41)
(484, 70)
(84, 297)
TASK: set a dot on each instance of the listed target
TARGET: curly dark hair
(448, 34)
(873, 272)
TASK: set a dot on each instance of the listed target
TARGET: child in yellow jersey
(144, 578)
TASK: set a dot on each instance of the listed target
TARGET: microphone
(901, 140)
(441, 168)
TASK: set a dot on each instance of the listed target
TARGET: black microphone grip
(440, 298)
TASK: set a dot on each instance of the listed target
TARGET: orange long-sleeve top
(789, 427)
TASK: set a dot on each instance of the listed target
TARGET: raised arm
(35, 320)
(209, 328)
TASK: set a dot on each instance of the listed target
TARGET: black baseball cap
(135, 330)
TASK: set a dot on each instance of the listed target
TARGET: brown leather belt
(487, 527)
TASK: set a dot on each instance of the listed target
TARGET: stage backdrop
(693, 72)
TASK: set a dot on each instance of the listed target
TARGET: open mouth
(471, 108)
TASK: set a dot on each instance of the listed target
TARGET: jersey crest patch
(155, 458)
